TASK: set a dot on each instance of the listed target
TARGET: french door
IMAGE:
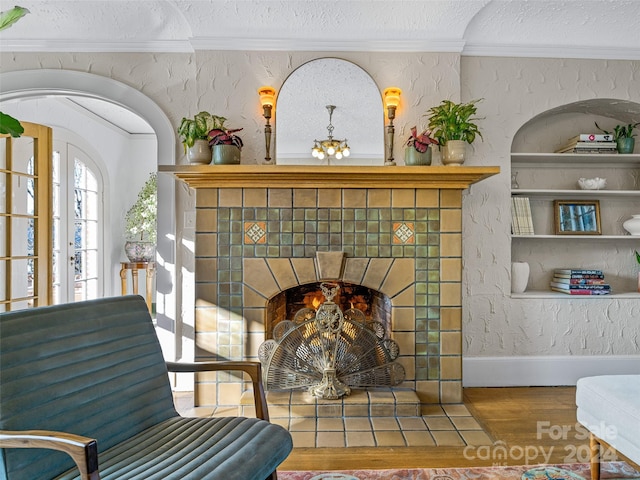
(25, 218)
(77, 225)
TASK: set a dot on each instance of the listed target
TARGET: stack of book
(521, 221)
(589, 143)
(580, 282)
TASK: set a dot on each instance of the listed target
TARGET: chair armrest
(83, 450)
(253, 369)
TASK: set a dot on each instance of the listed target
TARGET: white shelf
(543, 192)
(577, 159)
(556, 295)
(560, 172)
(578, 237)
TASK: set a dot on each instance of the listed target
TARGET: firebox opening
(284, 305)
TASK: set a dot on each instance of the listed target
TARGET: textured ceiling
(549, 28)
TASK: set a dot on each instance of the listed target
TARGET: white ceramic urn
(519, 276)
(632, 225)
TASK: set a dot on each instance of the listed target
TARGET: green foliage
(9, 17)
(141, 219)
(454, 121)
(620, 131)
(198, 127)
(8, 124)
(637, 257)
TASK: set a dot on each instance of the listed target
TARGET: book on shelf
(592, 137)
(578, 271)
(578, 281)
(521, 220)
(564, 286)
(588, 147)
(581, 291)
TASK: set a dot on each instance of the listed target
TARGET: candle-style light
(267, 100)
(391, 97)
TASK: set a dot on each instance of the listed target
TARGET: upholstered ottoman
(609, 407)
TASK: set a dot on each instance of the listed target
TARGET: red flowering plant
(420, 141)
(222, 136)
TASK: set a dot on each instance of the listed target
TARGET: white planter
(632, 225)
(200, 153)
(519, 276)
(453, 152)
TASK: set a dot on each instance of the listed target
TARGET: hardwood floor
(529, 425)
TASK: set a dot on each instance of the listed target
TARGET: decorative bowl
(596, 183)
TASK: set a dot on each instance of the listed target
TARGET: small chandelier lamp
(391, 97)
(330, 147)
(268, 100)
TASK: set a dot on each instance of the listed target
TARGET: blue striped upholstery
(96, 369)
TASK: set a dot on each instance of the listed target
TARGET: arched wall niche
(552, 128)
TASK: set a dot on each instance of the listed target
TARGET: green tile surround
(238, 224)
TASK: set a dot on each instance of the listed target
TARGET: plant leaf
(9, 17)
(9, 125)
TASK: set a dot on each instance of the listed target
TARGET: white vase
(632, 225)
(519, 276)
(453, 152)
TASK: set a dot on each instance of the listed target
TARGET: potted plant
(417, 149)
(623, 136)
(452, 125)
(140, 223)
(194, 135)
(225, 145)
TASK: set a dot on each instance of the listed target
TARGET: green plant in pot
(194, 134)
(141, 223)
(453, 126)
(418, 148)
(623, 136)
(225, 145)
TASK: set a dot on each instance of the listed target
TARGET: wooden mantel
(312, 176)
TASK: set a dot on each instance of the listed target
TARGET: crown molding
(268, 44)
(551, 51)
(297, 44)
(96, 46)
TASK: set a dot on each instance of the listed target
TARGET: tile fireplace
(395, 231)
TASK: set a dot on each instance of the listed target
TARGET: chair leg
(594, 445)
(273, 476)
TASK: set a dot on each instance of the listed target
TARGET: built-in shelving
(545, 177)
(550, 294)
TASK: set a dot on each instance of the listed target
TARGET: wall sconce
(268, 100)
(391, 98)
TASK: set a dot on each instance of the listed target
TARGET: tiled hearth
(375, 418)
(397, 230)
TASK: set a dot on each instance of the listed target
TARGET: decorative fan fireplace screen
(329, 351)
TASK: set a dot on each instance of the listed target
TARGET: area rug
(575, 471)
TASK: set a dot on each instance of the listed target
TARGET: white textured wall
(514, 90)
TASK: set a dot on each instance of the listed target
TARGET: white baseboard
(543, 371)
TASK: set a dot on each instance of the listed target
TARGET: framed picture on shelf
(576, 217)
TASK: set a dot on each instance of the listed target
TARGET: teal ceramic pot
(225, 155)
(414, 157)
(625, 145)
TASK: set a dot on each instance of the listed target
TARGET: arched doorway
(37, 83)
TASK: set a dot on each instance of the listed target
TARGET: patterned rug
(575, 471)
